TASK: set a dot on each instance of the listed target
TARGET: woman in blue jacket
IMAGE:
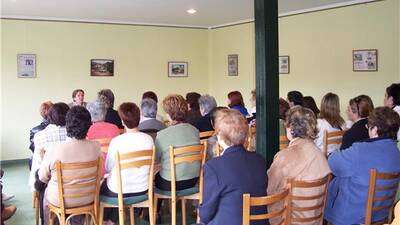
(347, 194)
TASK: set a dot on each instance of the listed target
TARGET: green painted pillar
(267, 77)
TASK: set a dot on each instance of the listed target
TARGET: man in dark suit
(235, 172)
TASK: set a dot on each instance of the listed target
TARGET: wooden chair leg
(173, 212)
(183, 201)
(51, 218)
(154, 210)
(37, 213)
(132, 215)
(87, 219)
(121, 216)
(151, 215)
(101, 214)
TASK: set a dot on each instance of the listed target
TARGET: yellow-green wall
(63, 52)
(320, 47)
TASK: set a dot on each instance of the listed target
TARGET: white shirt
(133, 179)
(323, 126)
(397, 109)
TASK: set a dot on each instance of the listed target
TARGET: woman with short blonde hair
(231, 128)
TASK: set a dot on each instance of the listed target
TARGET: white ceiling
(210, 13)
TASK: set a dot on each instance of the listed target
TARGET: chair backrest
(315, 202)
(104, 144)
(84, 175)
(391, 186)
(206, 134)
(283, 213)
(283, 142)
(188, 154)
(331, 138)
(251, 137)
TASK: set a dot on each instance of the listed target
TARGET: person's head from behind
(97, 110)
(44, 109)
(392, 96)
(176, 108)
(78, 96)
(283, 108)
(78, 121)
(231, 128)
(129, 114)
(106, 96)
(295, 98)
(359, 107)
(192, 99)
(206, 103)
(301, 123)
(150, 94)
(57, 113)
(383, 122)
(214, 114)
(148, 108)
(330, 110)
(235, 98)
(309, 102)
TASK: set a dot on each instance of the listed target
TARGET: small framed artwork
(233, 61)
(26, 64)
(284, 64)
(177, 69)
(365, 60)
(102, 67)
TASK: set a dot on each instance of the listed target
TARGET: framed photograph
(26, 64)
(177, 69)
(284, 64)
(365, 60)
(233, 61)
(102, 67)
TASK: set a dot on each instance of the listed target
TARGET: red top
(102, 130)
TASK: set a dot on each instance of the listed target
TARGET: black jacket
(113, 117)
(204, 123)
(356, 133)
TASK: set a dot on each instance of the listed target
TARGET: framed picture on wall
(102, 67)
(26, 64)
(177, 69)
(365, 60)
(233, 61)
(284, 64)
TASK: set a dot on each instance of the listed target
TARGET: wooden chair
(206, 134)
(375, 176)
(36, 205)
(90, 180)
(127, 161)
(331, 138)
(188, 154)
(250, 142)
(319, 199)
(283, 213)
(283, 142)
(104, 143)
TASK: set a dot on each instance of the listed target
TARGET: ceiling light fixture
(191, 11)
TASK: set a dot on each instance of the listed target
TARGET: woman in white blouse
(329, 119)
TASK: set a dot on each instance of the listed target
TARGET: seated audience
(134, 180)
(329, 120)
(152, 95)
(392, 99)
(283, 108)
(301, 160)
(235, 101)
(78, 96)
(148, 119)
(212, 141)
(309, 102)
(235, 172)
(77, 149)
(178, 134)
(46, 139)
(193, 114)
(294, 98)
(358, 110)
(100, 128)
(348, 191)
(207, 103)
(107, 96)
(44, 110)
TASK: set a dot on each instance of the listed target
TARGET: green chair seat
(184, 192)
(127, 200)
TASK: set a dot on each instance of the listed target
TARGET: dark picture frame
(102, 67)
(233, 65)
(284, 64)
(178, 69)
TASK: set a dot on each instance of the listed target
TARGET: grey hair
(97, 110)
(149, 108)
(107, 96)
(207, 103)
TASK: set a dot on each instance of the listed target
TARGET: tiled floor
(15, 182)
